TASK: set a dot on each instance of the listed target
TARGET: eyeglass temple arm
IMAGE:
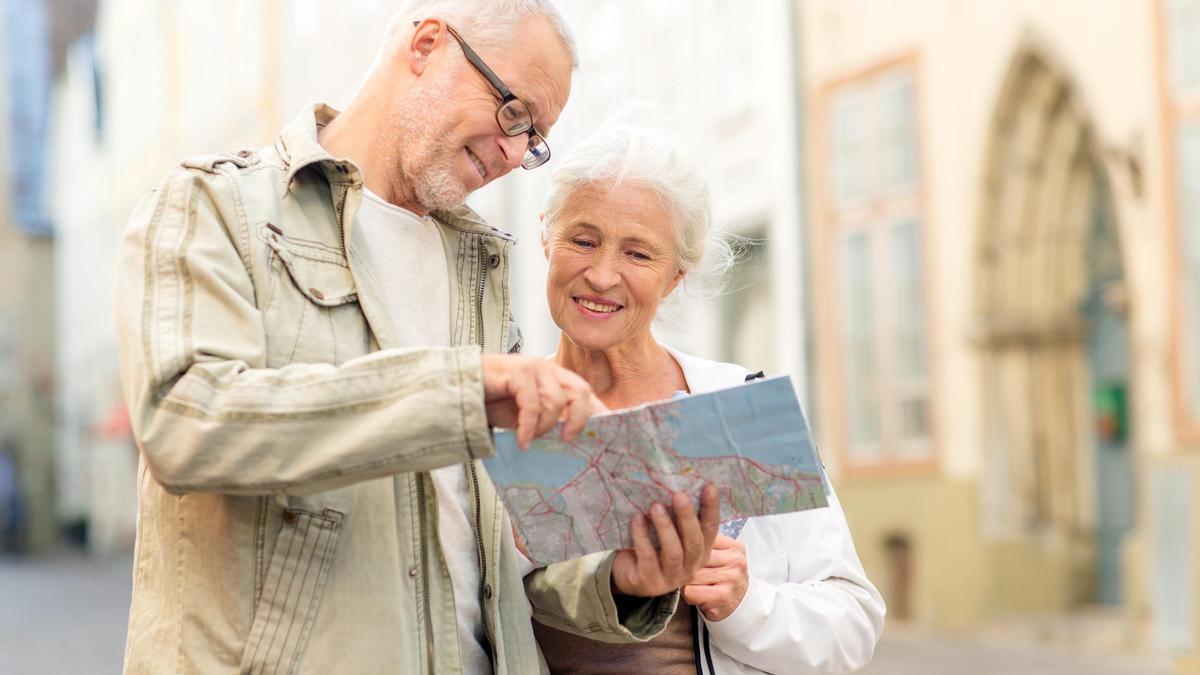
(482, 67)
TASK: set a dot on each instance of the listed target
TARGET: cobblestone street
(67, 615)
(62, 615)
(912, 655)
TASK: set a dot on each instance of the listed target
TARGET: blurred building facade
(1005, 236)
(28, 521)
(162, 81)
(972, 223)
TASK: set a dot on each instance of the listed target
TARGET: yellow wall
(940, 518)
(1027, 576)
(960, 579)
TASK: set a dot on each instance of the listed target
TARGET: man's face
(450, 144)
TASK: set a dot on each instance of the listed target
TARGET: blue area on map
(550, 463)
(732, 528)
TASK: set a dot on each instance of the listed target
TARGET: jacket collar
(299, 149)
(298, 145)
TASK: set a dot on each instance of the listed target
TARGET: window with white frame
(879, 263)
(1183, 21)
(747, 334)
(1188, 186)
(1183, 18)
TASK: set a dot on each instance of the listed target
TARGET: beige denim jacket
(286, 523)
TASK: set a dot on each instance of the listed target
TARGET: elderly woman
(626, 221)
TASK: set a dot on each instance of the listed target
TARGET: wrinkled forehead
(536, 65)
(622, 209)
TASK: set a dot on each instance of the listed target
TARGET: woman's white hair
(635, 147)
(483, 22)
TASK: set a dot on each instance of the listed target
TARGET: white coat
(809, 607)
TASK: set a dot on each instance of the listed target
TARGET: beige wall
(964, 50)
(947, 582)
(1111, 54)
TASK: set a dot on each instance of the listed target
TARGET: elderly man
(315, 341)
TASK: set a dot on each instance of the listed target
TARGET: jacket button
(487, 591)
(493, 261)
(412, 571)
(289, 517)
(244, 154)
(317, 294)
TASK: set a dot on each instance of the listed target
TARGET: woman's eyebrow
(643, 242)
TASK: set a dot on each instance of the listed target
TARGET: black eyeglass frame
(531, 160)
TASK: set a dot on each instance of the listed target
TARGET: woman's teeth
(595, 307)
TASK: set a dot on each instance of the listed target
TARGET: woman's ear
(679, 274)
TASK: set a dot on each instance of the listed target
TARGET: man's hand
(531, 395)
(684, 546)
(719, 587)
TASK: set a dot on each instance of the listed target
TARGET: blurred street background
(975, 232)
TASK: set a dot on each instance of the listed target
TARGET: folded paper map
(750, 440)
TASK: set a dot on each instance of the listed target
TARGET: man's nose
(513, 148)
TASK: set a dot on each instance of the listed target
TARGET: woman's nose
(602, 274)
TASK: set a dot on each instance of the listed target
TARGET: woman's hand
(684, 545)
(719, 587)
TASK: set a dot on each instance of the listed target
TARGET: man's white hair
(484, 22)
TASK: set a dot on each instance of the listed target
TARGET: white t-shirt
(404, 254)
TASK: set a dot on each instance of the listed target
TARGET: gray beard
(430, 171)
(434, 185)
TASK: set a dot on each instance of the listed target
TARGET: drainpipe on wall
(806, 290)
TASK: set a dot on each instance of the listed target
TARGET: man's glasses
(512, 115)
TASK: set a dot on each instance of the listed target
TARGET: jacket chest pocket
(312, 313)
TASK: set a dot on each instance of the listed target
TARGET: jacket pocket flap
(321, 274)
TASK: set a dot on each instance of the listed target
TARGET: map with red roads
(570, 499)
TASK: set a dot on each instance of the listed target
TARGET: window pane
(858, 325)
(848, 148)
(908, 321)
(899, 134)
(1184, 24)
(747, 328)
(1189, 219)
(914, 418)
(908, 310)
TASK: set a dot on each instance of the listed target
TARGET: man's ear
(427, 36)
(542, 235)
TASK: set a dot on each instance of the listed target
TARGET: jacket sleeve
(576, 596)
(208, 415)
(827, 616)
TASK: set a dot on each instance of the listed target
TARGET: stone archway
(1045, 192)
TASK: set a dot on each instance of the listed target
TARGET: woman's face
(612, 260)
